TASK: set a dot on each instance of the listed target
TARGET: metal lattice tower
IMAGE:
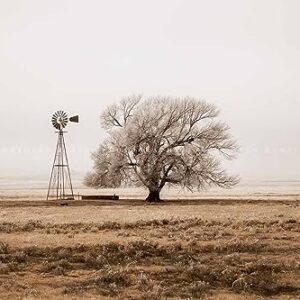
(60, 185)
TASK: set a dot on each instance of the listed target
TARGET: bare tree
(162, 141)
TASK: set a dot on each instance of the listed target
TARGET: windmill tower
(60, 184)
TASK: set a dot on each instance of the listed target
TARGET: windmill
(60, 184)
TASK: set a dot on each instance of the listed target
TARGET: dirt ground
(214, 249)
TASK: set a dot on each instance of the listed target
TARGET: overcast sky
(80, 55)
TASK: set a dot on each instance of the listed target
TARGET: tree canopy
(162, 141)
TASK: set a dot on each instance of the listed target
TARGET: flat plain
(127, 249)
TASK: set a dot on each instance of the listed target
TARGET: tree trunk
(153, 196)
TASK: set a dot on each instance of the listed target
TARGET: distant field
(181, 249)
(284, 190)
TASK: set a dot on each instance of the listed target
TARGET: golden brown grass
(169, 251)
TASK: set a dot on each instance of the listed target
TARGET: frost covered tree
(162, 141)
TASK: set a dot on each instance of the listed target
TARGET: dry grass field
(216, 249)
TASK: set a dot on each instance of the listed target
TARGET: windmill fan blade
(74, 119)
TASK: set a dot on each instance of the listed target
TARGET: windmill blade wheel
(60, 120)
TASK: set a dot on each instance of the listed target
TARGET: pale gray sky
(81, 55)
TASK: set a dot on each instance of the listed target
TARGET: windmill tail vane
(60, 184)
